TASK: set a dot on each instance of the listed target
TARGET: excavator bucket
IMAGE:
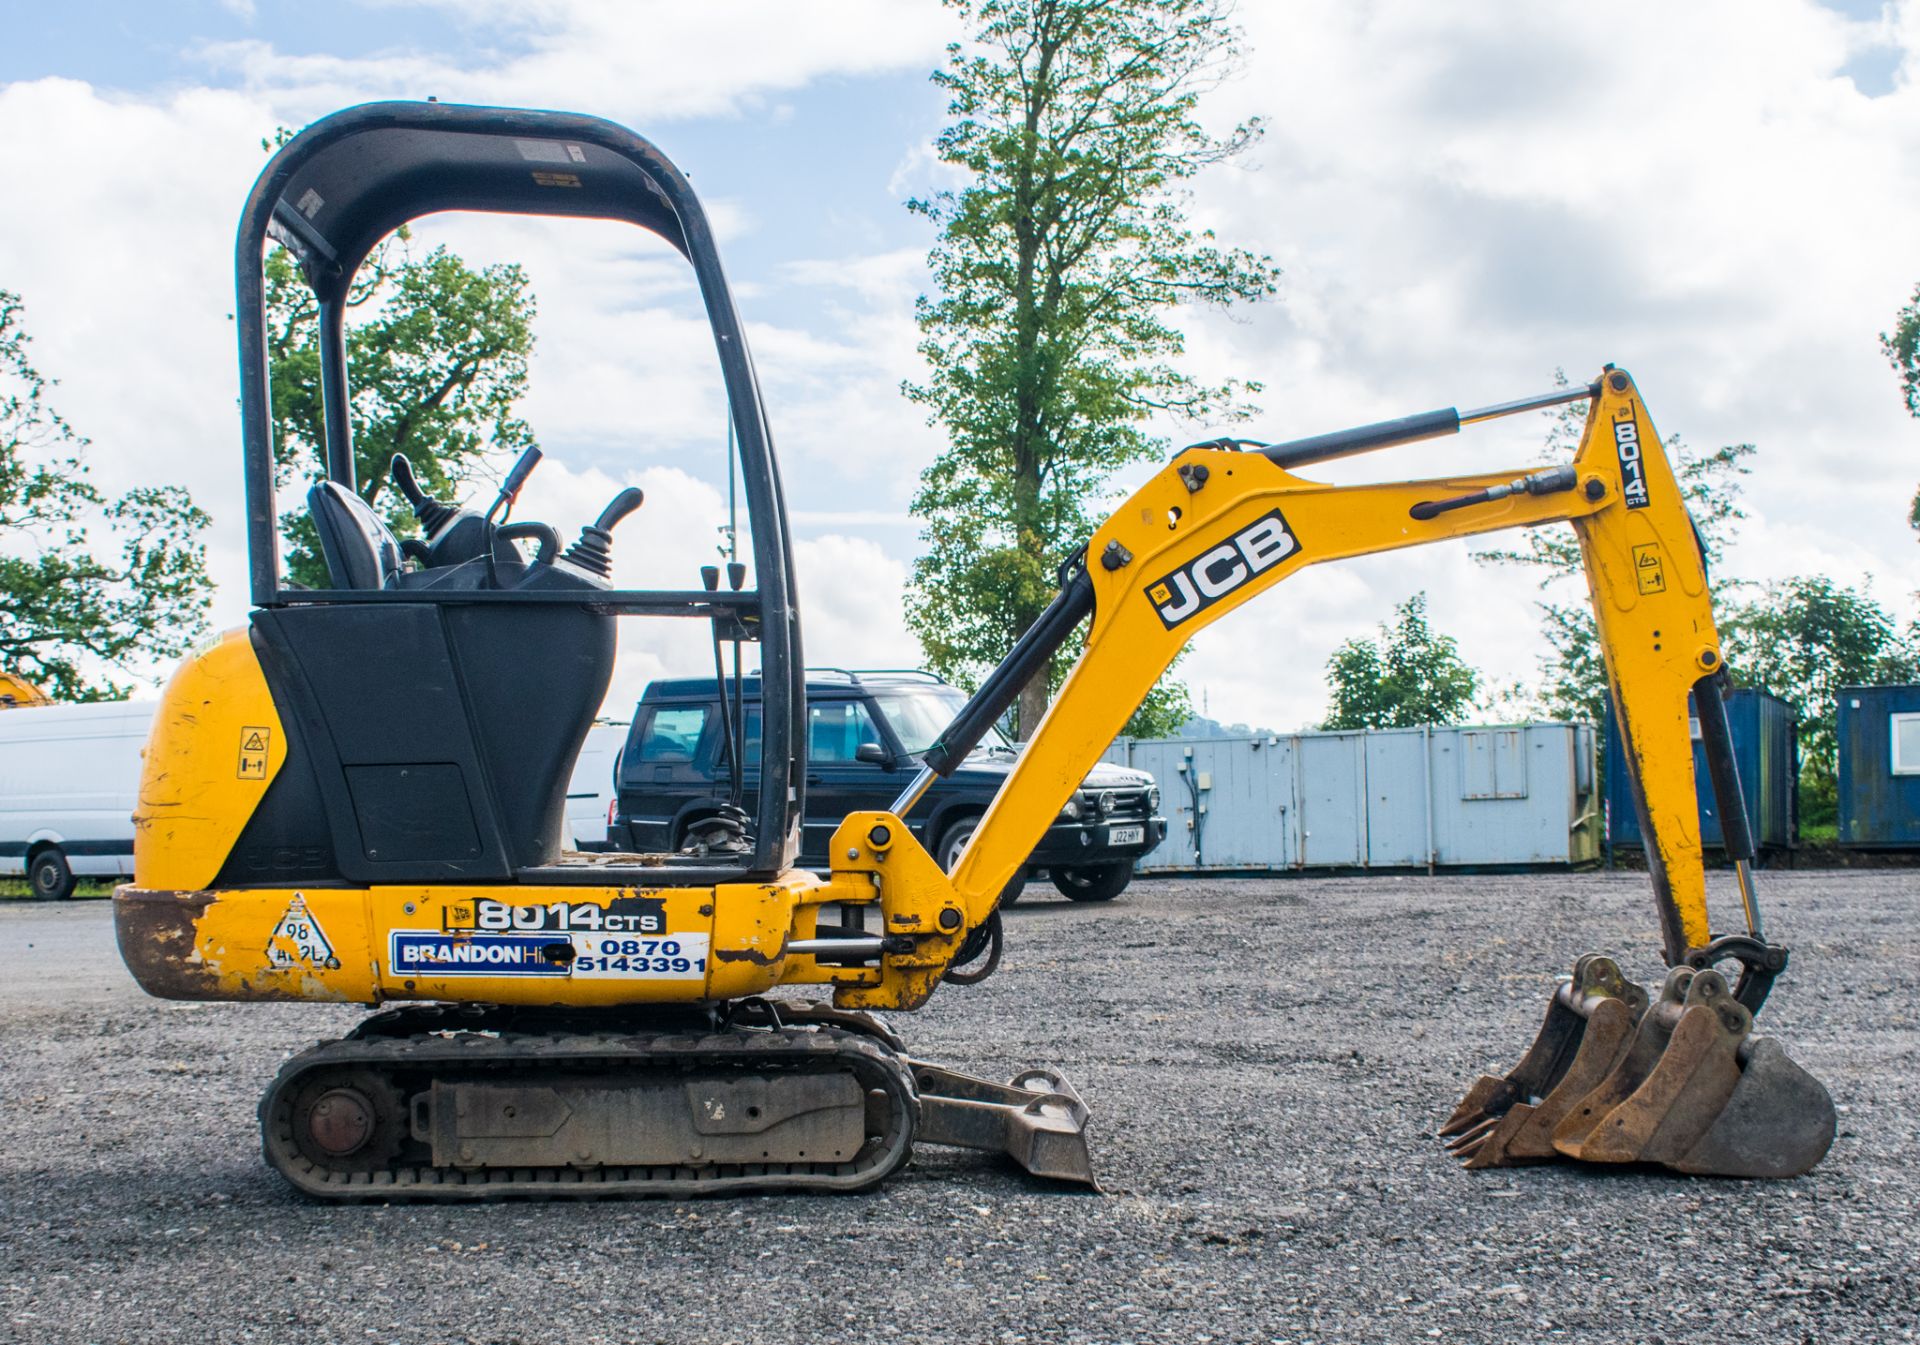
(1681, 1082)
(1590, 1022)
(1698, 1093)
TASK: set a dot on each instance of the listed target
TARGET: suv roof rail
(854, 675)
(902, 672)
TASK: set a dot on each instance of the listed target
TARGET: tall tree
(1803, 639)
(1059, 266)
(1573, 674)
(435, 368)
(1902, 347)
(89, 585)
(1409, 676)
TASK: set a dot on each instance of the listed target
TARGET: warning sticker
(556, 179)
(1648, 572)
(299, 941)
(253, 752)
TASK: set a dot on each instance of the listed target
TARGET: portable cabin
(1766, 753)
(1505, 796)
(1879, 732)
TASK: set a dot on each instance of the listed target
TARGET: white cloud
(652, 59)
(1464, 198)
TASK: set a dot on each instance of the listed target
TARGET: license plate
(1126, 835)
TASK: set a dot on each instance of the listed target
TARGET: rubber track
(411, 1062)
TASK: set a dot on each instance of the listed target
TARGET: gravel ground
(1266, 1061)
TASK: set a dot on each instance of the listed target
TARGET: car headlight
(1153, 798)
(1106, 800)
(1071, 812)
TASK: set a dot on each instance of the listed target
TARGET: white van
(69, 775)
(591, 790)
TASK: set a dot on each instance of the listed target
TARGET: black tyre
(1094, 882)
(954, 840)
(49, 877)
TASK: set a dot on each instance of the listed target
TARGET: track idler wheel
(1681, 1082)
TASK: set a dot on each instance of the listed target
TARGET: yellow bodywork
(630, 945)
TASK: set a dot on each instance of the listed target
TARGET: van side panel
(69, 775)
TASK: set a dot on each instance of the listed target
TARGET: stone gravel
(1266, 1060)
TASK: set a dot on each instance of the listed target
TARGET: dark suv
(864, 733)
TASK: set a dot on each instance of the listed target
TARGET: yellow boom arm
(1218, 527)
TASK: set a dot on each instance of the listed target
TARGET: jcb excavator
(358, 798)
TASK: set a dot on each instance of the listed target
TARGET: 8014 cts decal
(1633, 471)
(1213, 574)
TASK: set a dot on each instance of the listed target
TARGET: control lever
(594, 551)
(453, 534)
(510, 488)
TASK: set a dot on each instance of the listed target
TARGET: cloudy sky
(1722, 195)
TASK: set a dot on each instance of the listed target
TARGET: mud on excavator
(358, 798)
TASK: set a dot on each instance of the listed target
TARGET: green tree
(86, 582)
(435, 369)
(1902, 347)
(1409, 676)
(1803, 639)
(1059, 266)
(1573, 673)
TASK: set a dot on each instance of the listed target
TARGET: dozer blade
(1038, 1120)
(1590, 1020)
(1696, 1093)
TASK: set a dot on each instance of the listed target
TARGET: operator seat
(360, 549)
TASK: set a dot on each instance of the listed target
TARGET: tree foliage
(1058, 268)
(1573, 674)
(436, 365)
(1902, 347)
(1409, 676)
(1802, 640)
(89, 584)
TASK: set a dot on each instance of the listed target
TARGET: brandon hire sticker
(591, 957)
(298, 940)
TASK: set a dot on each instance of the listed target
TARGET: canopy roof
(337, 189)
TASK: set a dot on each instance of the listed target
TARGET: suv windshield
(918, 716)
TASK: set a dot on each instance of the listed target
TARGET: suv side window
(673, 734)
(835, 730)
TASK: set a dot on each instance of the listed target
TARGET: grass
(15, 889)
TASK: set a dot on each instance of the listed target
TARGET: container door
(1397, 797)
(1330, 776)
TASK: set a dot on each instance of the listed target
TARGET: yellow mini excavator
(358, 798)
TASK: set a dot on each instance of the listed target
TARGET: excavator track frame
(412, 1065)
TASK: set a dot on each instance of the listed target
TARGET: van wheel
(48, 876)
(955, 839)
(1094, 882)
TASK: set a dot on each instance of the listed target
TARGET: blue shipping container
(1879, 732)
(1765, 735)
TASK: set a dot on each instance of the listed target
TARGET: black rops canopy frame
(346, 182)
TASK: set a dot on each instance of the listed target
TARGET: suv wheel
(49, 877)
(955, 839)
(1094, 882)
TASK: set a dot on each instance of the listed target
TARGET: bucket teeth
(1681, 1082)
(1509, 1120)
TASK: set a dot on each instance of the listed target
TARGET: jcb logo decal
(1633, 471)
(1212, 575)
